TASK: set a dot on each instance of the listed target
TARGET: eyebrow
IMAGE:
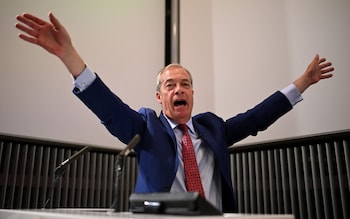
(181, 80)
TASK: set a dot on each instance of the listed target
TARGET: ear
(158, 98)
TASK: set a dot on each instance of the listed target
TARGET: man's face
(176, 94)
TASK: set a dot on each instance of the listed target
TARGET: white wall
(122, 40)
(196, 51)
(321, 27)
(239, 52)
(257, 47)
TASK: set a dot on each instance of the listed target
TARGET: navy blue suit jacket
(156, 152)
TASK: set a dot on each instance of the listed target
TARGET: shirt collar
(173, 124)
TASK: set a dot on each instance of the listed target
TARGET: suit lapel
(168, 129)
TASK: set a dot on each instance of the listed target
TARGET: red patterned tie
(192, 176)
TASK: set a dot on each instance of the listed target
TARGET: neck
(173, 123)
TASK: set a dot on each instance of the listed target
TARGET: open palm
(51, 36)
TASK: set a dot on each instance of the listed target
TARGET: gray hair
(159, 83)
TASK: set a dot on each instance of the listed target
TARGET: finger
(27, 21)
(327, 70)
(28, 39)
(325, 65)
(27, 30)
(321, 60)
(55, 21)
(34, 19)
(326, 76)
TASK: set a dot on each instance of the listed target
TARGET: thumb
(55, 22)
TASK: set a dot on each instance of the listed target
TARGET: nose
(178, 89)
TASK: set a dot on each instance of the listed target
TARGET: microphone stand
(57, 177)
(119, 166)
(61, 169)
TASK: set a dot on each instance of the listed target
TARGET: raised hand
(317, 70)
(51, 36)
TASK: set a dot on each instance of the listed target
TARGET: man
(159, 153)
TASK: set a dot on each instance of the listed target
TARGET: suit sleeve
(120, 120)
(258, 118)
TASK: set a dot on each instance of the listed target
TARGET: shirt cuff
(292, 94)
(84, 80)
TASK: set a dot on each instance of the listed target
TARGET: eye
(187, 85)
(169, 85)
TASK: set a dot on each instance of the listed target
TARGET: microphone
(132, 143)
(61, 168)
(59, 171)
(119, 169)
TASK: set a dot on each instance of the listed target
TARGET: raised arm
(317, 70)
(53, 37)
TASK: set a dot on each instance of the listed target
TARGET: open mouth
(180, 103)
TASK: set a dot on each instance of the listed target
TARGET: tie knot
(183, 127)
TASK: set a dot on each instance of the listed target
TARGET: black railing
(27, 172)
(308, 177)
